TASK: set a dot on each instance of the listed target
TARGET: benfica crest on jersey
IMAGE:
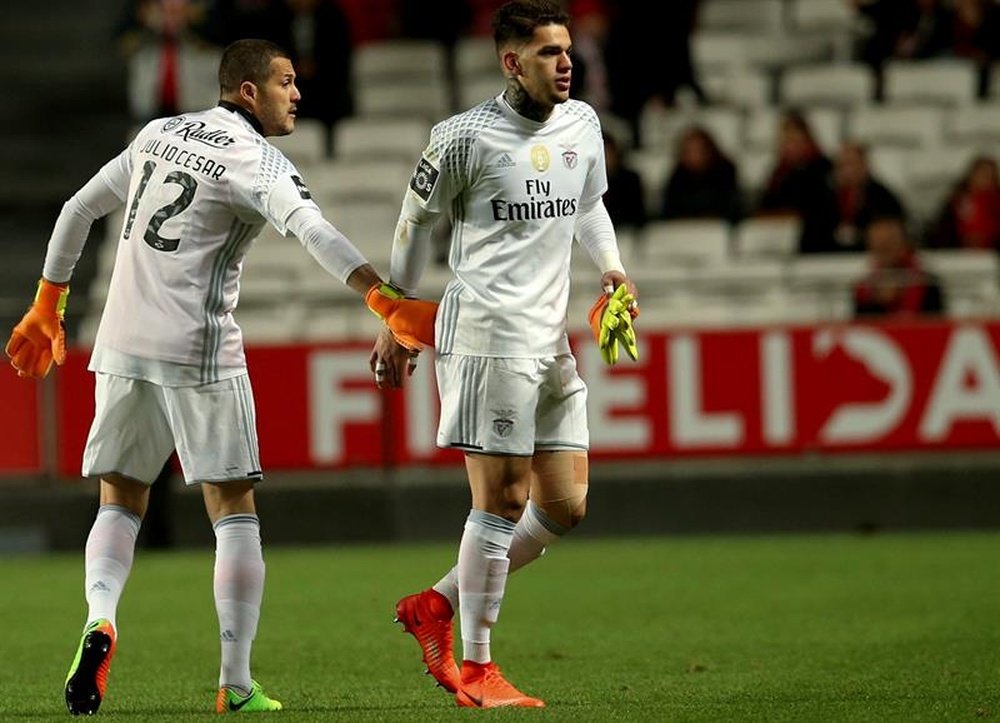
(569, 158)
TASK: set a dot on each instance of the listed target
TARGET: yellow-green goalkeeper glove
(611, 321)
(411, 321)
(40, 337)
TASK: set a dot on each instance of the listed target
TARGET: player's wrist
(51, 295)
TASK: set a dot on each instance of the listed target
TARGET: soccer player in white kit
(521, 174)
(168, 357)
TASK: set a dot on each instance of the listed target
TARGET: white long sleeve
(596, 233)
(332, 249)
(412, 245)
(101, 195)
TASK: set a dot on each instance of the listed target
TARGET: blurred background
(806, 193)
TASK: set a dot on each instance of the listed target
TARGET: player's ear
(511, 64)
(248, 91)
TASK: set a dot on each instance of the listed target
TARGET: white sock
(108, 560)
(482, 576)
(533, 532)
(239, 589)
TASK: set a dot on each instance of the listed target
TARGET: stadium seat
(342, 182)
(475, 56)
(888, 164)
(742, 88)
(771, 237)
(741, 15)
(964, 266)
(274, 323)
(951, 81)
(754, 166)
(654, 168)
(930, 175)
(425, 98)
(716, 53)
(820, 15)
(661, 129)
(197, 78)
(474, 89)
(826, 123)
(825, 273)
(974, 123)
(906, 127)
(370, 225)
(367, 138)
(848, 84)
(685, 243)
(306, 146)
(394, 60)
(738, 277)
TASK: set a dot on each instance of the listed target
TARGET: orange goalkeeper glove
(411, 321)
(611, 321)
(40, 337)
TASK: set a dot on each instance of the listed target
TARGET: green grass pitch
(791, 628)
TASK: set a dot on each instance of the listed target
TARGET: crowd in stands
(623, 65)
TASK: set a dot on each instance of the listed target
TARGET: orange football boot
(427, 617)
(483, 686)
(87, 679)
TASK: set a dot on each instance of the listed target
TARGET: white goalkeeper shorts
(511, 406)
(137, 424)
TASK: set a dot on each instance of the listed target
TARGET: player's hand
(390, 361)
(611, 319)
(40, 337)
(410, 320)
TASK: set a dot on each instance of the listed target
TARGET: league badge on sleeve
(424, 177)
(302, 189)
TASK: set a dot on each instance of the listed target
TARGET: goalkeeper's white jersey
(513, 187)
(197, 189)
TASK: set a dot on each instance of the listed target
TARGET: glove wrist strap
(52, 296)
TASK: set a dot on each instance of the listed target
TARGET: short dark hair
(248, 59)
(517, 19)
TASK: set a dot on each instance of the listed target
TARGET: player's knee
(511, 503)
(577, 514)
(566, 512)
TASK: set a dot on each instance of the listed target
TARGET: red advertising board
(920, 386)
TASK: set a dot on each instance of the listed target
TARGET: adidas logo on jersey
(505, 161)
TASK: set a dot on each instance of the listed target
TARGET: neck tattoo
(519, 100)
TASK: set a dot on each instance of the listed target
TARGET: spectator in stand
(970, 218)
(703, 183)
(625, 194)
(318, 38)
(590, 71)
(445, 25)
(631, 39)
(975, 34)
(799, 184)
(904, 29)
(895, 285)
(860, 197)
(153, 35)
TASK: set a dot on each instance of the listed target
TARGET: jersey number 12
(152, 234)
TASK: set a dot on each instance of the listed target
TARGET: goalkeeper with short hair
(168, 358)
(521, 174)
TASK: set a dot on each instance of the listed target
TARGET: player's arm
(411, 244)
(612, 314)
(410, 320)
(40, 337)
